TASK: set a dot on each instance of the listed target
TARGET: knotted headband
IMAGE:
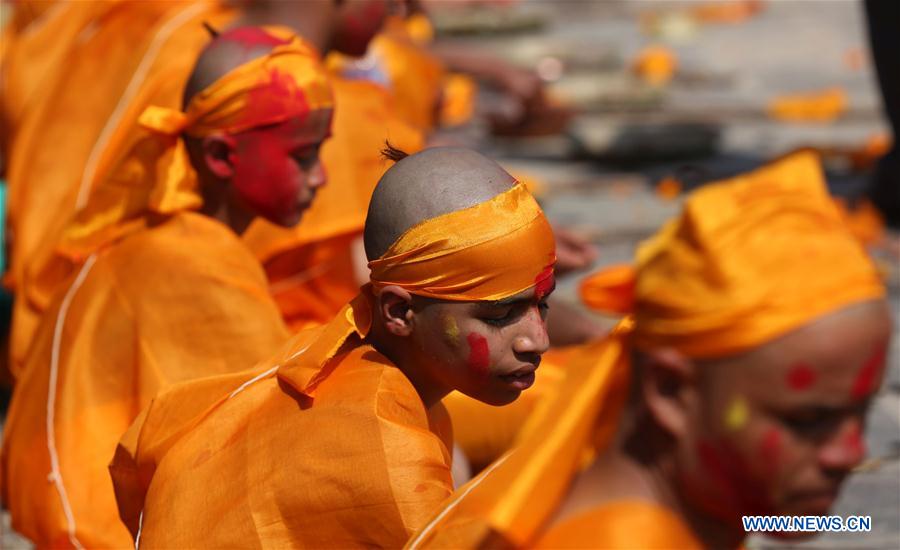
(287, 82)
(490, 251)
(748, 260)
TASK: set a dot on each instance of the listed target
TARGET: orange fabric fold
(99, 129)
(180, 300)
(490, 251)
(622, 526)
(373, 462)
(727, 274)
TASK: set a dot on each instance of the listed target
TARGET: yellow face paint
(737, 414)
(451, 330)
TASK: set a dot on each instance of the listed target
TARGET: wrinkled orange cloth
(622, 526)
(175, 301)
(34, 44)
(722, 278)
(310, 266)
(99, 130)
(457, 256)
(326, 445)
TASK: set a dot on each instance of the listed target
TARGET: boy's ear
(395, 304)
(667, 384)
(218, 155)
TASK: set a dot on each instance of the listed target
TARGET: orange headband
(749, 259)
(287, 82)
(489, 251)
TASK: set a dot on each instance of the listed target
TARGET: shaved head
(224, 53)
(426, 185)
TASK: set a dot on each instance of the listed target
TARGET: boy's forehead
(826, 352)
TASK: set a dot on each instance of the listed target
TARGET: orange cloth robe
(167, 303)
(326, 445)
(130, 54)
(622, 525)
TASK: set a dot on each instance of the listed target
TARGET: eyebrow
(515, 301)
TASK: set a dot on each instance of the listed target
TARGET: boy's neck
(398, 352)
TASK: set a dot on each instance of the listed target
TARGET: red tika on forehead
(801, 377)
(869, 374)
(281, 94)
(544, 282)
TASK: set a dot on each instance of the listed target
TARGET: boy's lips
(521, 378)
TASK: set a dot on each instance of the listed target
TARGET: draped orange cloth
(130, 55)
(745, 263)
(160, 297)
(171, 302)
(326, 445)
(34, 44)
(622, 526)
(215, 461)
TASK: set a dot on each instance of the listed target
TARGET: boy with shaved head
(737, 385)
(165, 290)
(340, 440)
(136, 54)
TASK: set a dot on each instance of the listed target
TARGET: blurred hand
(573, 252)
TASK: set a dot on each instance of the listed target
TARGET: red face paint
(770, 449)
(869, 375)
(479, 354)
(266, 175)
(801, 377)
(270, 102)
(543, 283)
(740, 491)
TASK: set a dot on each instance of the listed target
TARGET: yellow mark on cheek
(451, 330)
(737, 414)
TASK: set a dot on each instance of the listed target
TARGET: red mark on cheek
(801, 377)
(740, 492)
(543, 283)
(770, 449)
(265, 177)
(479, 354)
(869, 374)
